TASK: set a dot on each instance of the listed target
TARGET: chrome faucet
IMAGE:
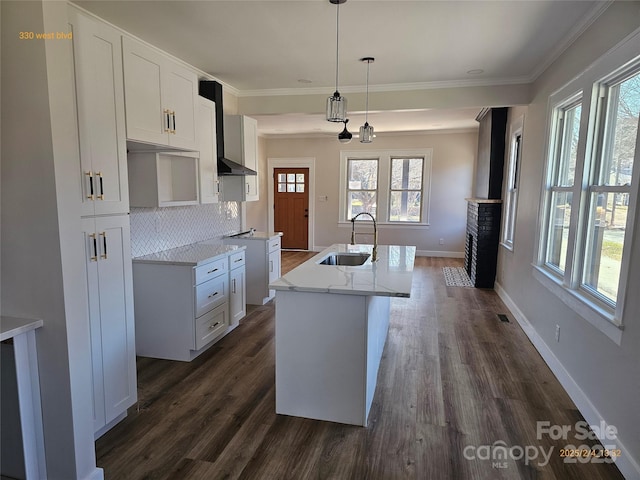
(374, 255)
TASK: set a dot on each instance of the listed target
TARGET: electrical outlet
(557, 333)
(442, 241)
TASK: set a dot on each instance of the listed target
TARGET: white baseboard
(439, 253)
(97, 474)
(627, 465)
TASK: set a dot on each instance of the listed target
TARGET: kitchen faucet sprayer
(374, 255)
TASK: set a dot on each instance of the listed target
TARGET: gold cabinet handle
(94, 257)
(167, 126)
(90, 175)
(104, 245)
(101, 196)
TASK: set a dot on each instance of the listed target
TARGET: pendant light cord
(366, 112)
(337, 41)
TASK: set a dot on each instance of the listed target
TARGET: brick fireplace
(483, 235)
(485, 209)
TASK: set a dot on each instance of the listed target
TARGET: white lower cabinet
(262, 264)
(110, 288)
(237, 288)
(181, 309)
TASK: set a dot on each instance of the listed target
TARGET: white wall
(602, 377)
(451, 178)
(42, 273)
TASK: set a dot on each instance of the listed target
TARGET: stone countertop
(391, 275)
(255, 236)
(190, 255)
(13, 326)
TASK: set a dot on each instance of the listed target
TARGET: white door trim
(297, 162)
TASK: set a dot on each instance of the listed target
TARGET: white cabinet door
(101, 117)
(147, 119)
(241, 145)
(180, 99)
(160, 98)
(237, 295)
(208, 164)
(250, 137)
(274, 268)
(110, 287)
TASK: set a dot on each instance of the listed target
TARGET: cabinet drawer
(210, 294)
(236, 260)
(211, 270)
(211, 325)
(274, 244)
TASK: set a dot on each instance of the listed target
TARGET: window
(391, 185)
(564, 150)
(405, 204)
(511, 191)
(362, 186)
(610, 186)
(591, 189)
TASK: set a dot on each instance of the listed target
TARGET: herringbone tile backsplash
(157, 229)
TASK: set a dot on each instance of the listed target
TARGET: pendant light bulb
(337, 104)
(345, 135)
(366, 131)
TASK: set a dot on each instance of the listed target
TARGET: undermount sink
(345, 259)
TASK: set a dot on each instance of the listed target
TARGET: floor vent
(503, 317)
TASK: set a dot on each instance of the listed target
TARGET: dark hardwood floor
(454, 380)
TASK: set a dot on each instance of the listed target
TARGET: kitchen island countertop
(391, 275)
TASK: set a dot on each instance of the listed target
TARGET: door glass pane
(358, 202)
(300, 187)
(605, 240)
(282, 187)
(282, 177)
(300, 177)
(291, 187)
(568, 139)
(621, 131)
(560, 216)
(291, 177)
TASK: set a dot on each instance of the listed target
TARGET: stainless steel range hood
(213, 91)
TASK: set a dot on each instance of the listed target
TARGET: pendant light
(366, 131)
(345, 135)
(337, 104)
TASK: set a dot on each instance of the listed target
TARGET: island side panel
(378, 313)
(321, 356)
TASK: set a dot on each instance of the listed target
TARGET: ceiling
(264, 47)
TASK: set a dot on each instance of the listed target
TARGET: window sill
(507, 246)
(590, 311)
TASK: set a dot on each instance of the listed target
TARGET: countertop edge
(13, 326)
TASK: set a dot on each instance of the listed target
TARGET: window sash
(405, 192)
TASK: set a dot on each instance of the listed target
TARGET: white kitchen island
(331, 327)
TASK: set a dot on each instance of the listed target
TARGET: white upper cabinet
(241, 145)
(208, 165)
(160, 98)
(101, 116)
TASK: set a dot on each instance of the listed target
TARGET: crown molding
(578, 29)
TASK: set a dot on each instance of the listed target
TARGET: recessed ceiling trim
(331, 136)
